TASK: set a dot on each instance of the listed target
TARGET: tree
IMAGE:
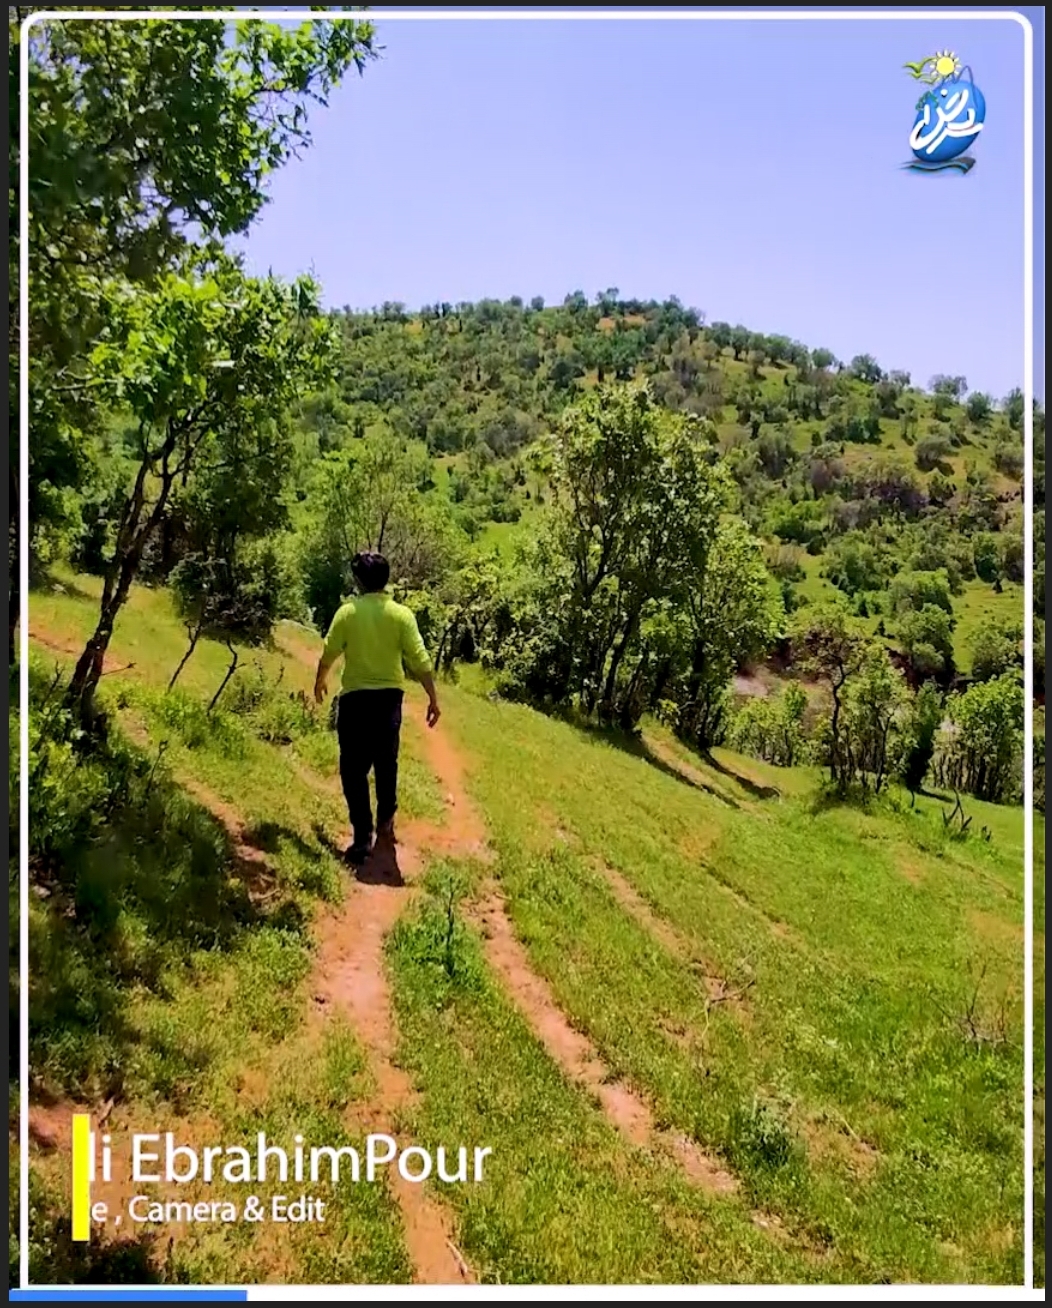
(368, 497)
(940, 489)
(926, 636)
(986, 553)
(908, 407)
(982, 751)
(235, 598)
(772, 729)
(866, 369)
(915, 590)
(854, 565)
(997, 648)
(634, 497)
(952, 387)
(735, 615)
(128, 172)
(830, 644)
(1014, 406)
(930, 453)
(979, 408)
(208, 365)
(918, 737)
(875, 698)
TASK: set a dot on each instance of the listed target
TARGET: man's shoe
(385, 834)
(358, 852)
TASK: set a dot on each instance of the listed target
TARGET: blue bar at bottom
(117, 1295)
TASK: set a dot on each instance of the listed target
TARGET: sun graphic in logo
(947, 64)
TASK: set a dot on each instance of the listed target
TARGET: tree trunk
(229, 673)
(195, 636)
(132, 537)
(615, 663)
(14, 569)
(661, 681)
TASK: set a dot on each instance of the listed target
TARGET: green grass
(853, 1021)
(566, 1202)
(866, 1091)
(980, 603)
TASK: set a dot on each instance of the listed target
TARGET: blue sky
(751, 169)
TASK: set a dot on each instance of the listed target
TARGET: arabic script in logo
(949, 115)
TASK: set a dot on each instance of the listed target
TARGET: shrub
(980, 752)
(930, 451)
(996, 649)
(772, 729)
(271, 713)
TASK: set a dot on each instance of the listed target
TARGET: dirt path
(349, 978)
(72, 649)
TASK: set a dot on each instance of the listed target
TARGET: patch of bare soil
(350, 978)
(71, 649)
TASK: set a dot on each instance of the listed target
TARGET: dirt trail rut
(571, 1049)
(350, 978)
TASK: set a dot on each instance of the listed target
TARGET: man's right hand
(433, 713)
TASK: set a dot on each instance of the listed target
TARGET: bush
(981, 750)
(772, 729)
(930, 451)
(271, 713)
(926, 636)
(986, 554)
(996, 649)
(75, 782)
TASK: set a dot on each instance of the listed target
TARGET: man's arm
(324, 667)
(418, 664)
(330, 653)
(427, 680)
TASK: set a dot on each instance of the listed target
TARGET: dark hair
(371, 571)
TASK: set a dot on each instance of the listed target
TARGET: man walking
(379, 642)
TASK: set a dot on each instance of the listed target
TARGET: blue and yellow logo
(949, 115)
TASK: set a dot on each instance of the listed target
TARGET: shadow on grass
(43, 583)
(635, 744)
(55, 1259)
(754, 788)
(270, 837)
(130, 878)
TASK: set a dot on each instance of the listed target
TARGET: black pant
(368, 726)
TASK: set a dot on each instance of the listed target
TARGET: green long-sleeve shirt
(379, 641)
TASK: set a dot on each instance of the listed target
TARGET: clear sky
(751, 169)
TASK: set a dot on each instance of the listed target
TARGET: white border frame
(550, 15)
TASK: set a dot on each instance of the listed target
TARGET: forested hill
(493, 372)
(851, 473)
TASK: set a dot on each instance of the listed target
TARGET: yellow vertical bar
(81, 1174)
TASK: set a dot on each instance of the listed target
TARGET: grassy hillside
(712, 1028)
